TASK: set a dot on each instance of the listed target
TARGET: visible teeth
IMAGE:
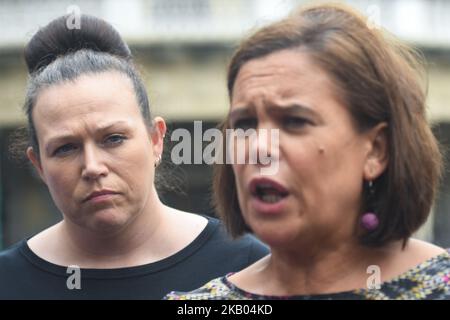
(270, 198)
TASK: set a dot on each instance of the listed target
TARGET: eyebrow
(240, 112)
(294, 108)
(271, 109)
(62, 137)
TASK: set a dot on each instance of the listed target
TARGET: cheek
(61, 183)
(238, 170)
(333, 172)
(315, 167)
(135, 153)
(134, 166)
(241, 189)
(324, 154)
(304, 156)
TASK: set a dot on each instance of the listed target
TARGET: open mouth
(267, 190)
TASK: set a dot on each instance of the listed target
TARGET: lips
(99, 193)
(267, 190)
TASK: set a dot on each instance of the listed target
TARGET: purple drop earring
(369, 220)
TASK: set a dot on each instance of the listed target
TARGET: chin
(276, 240)
(275, 235)
(108, 221)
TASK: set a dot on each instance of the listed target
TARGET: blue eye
(64, 150)
(245, 123)
(114, 140)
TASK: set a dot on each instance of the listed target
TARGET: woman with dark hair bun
(96, 146)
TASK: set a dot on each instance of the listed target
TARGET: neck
(132, 244)
(318, 270)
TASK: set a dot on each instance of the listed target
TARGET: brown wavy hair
(380, 80)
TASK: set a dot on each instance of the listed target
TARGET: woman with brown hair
(358, 165)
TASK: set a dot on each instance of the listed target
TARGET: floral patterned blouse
(428, 280)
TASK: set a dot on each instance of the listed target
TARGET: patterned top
(428, 280)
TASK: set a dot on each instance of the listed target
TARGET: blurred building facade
(182, 48)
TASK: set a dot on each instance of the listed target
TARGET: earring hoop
(158, 161)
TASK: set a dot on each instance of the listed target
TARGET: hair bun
(56, 39)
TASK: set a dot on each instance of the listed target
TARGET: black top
(24, 275)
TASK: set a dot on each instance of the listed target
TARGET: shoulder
(14, 267)
(423, 249)
(245, 245)
(215, 253)
(428, 279)
(11, 255)
(216, 289)
(413, 254)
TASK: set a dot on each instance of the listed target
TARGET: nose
(93, 164)
(264, 146)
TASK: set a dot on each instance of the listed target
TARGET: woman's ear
(157, 135)
(378, 153)
(34, 158)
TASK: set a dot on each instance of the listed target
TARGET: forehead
(90, 99)
(281, 75)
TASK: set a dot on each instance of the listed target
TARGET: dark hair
(378, 79)
(57, 54)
